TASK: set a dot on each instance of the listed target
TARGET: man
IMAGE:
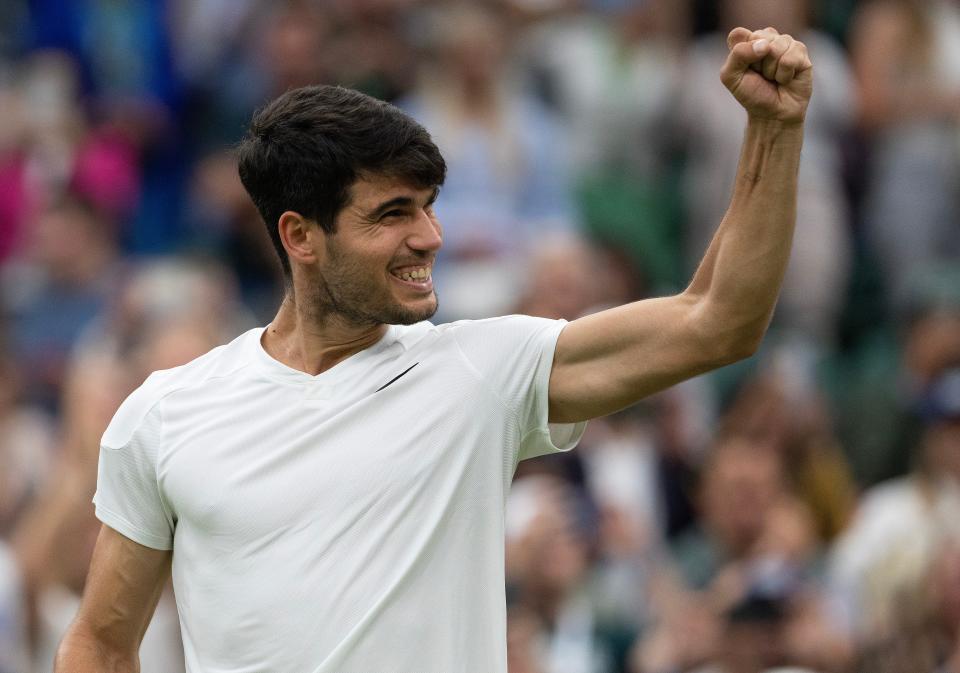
(330, 489)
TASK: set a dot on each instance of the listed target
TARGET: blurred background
(796, 512)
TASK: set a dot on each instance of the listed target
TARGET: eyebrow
(399, 201)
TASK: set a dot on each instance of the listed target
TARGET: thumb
(738, 35)
(741, 57)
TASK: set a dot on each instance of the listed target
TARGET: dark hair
(306, 148)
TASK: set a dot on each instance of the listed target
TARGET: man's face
(376, 268)
(742, 484)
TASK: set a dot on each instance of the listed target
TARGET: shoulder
(413, 335)
(886, 511)
(509, 331)
(221, 361)
(506, 323)
(891, 496)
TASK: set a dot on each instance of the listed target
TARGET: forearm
(741, 273)
(83, 652)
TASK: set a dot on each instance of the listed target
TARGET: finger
(765, 33)
(741, 57)
(791, 62)
(778, 47)
(736, 36)
(785, 72)
(769, 34)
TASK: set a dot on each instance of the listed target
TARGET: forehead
(369, 191)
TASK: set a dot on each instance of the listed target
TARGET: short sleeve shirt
(349, 522)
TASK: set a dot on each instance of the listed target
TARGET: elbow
(733, 345)
(740, 348)
(82, 650)
(725, 335)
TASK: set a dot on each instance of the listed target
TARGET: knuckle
(736, 36)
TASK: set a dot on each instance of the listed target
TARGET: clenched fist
(769, 74)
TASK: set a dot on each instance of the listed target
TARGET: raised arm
(123, 587)
(609, 360)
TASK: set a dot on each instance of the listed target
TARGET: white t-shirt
(350, 522)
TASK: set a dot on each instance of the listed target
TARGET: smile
(413, 274)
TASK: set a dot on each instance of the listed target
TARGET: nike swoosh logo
(393, 380)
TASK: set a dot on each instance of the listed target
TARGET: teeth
(416, 275)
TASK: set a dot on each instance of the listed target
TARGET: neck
(315, 343)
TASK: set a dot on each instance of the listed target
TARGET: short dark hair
(306, 148)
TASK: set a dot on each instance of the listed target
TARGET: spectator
(56, 292)
(508, 171)
(548, 551)
(906, 54)
(26, 448)
(741, 482)
(759, 604)
(945, 599)
(782, 409)
(562, 279)
(880, 563)
(51, 148)
(161, 297)
(373, 47)
(13, 631)
(615, 85)
(875, 401)
(224, 223)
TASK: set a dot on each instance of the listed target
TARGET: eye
(392, 214)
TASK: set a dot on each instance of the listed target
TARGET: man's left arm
(609, 360)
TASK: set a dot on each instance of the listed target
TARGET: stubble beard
(348, 294)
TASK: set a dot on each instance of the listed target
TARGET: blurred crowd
(797, 512)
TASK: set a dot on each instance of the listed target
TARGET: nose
(427, 234)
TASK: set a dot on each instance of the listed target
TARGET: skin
(609, 360)
(343, 295)
(345, 287)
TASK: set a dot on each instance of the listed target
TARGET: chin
(408, 313)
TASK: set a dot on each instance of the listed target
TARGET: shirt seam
(178, 389)
(160, 448)
(513, 416)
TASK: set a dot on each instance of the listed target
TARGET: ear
(298, 235)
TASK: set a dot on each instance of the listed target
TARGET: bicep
(606, 361)
(123, 586)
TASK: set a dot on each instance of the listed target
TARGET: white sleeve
(514, 356)
(128, 497)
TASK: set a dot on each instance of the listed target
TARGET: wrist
(769, 126)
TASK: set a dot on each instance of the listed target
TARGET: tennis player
(328, 491)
